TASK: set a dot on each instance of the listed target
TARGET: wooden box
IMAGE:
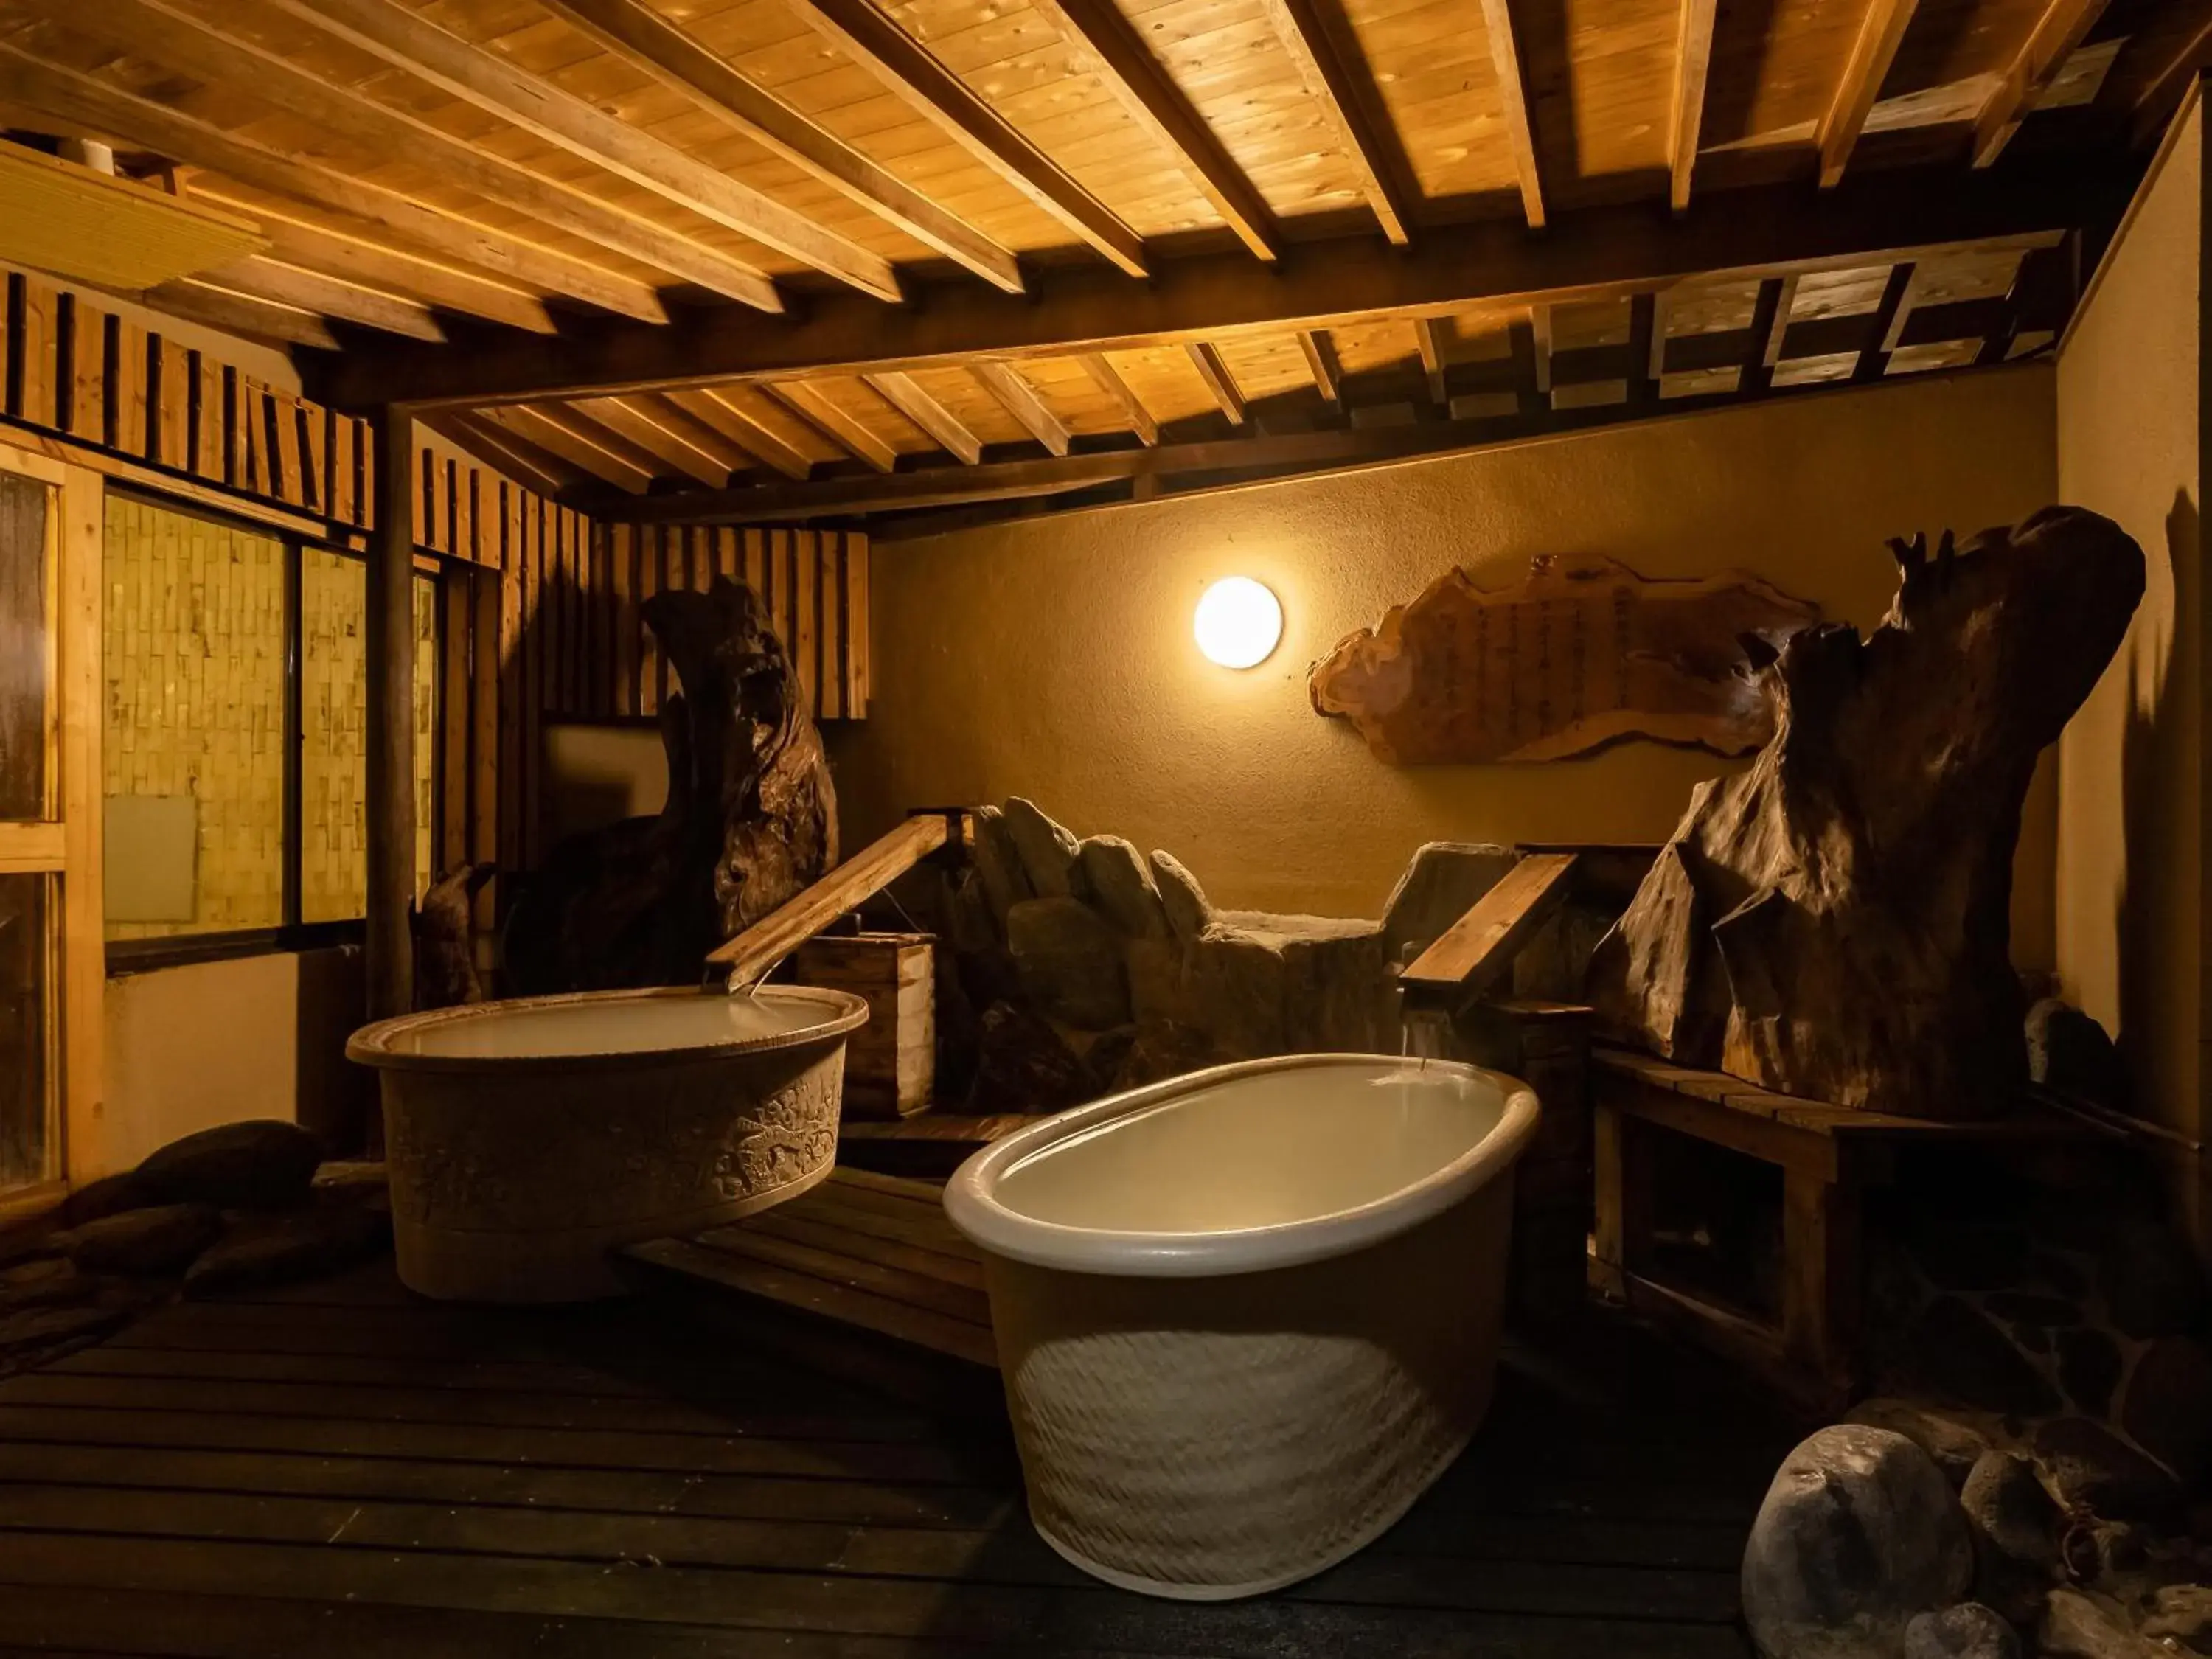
(890, 1063)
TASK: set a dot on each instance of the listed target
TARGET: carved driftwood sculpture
(1834, 922)
(1572, 658)
(444, 939)
(751, 817)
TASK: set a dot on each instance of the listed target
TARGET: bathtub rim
(972, 1206)
(845, 1013)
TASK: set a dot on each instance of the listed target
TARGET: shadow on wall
(2154, 933)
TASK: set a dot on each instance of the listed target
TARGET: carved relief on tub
(1574, 656)
(792, 1134)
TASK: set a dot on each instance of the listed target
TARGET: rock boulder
(262, 1163)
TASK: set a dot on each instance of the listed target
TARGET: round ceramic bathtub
(1245, 1317)
(527, 1139)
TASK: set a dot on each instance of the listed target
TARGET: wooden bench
(862, 1278)
(1828, 1156)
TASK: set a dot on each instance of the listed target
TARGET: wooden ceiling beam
(1769, 323)
(328, 251)
(1889, 320)
(201, 300)
(1539, 338)
(658, 46)
(1320, 362)
(1299, 25)
(1206, 358)
(2059, 28)
(1694, 57)
(727, 415)
(648, 420)
(1878, 217)
(413, 43)
(1109, 380)
(2166, 90)
(520, 460)
(1513, 106)
(329, 296)
(903, 393)
(59, 93)
(1020, 399)
(894, 58)
(1647, 349)
(815, 407)
(1152, 99)
(162, 33)
(1881, 31)
(1429, 344)
(580, 441)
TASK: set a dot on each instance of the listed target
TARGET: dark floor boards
(342, 1470)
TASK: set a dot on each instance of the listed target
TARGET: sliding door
(51, 963)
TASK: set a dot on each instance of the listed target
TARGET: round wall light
(1239, 622)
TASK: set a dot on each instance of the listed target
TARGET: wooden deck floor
(344, 1469)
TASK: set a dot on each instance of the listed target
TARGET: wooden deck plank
(854, 1272)
(825, 1235)
(929, 1194)
(929, 1233)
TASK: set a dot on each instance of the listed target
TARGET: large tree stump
(750, 818)
(1834, 922)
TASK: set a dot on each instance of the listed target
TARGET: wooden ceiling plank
(522, 461)
(1143, 88)
(903, 394)
(1647, 349)
(901, 63)
(1876, 218)
(1889, 318)
(1109, 380)
(1320, 362)
(1428, 342)
(1020, 399)
(1205, 357)
(2059, 28)
(658, 46)
(580, 441)
(811, 405)
(637, 418)
(1300, 27)
(161, 33)
(329, 296)
(329, 251)
(1694, 57)
(1881, 31)
(204, 301)
(62, 94)
(1513, 106)
(1540, 331)
(1770, 322)
(412, 43)
(734, 422)
(2166, 90)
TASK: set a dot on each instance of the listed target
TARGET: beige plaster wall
(2131, 850)
(1053, 658)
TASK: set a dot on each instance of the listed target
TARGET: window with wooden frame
(236, 687)
(51, 976)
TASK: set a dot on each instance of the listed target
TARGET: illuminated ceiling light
(1239, 622)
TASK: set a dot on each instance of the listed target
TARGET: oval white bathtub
(527, 1139)
(1246, 1316)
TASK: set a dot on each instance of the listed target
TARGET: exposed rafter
(1320, 362)
(723, 409)
(201, 300)
(1770, 322)
(1429, 343)
(1020, 399)
(2163, 92)
(903, 393)
(320, 246)
(658, 46)
(903, 63)
(1694, 57)
(1539, 340)
(1205, 357)
(1109, 380)
(185, 42)
(1647, 349)
(680, 441)
(2060, 28)
(580, 441)
(408, 41)
(91, 106)
(1153, 101)
(521, 460)
(814, 406)
(1513, 106)
(1889, 320)
(1881, 31)
(1304, 34)
(329, 296)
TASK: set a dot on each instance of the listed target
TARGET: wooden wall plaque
(1573, 658)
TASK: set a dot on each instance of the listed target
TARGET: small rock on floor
(2079, 1625)
(2181, 1615)
(1968, 1631)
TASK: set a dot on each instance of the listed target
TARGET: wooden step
(862, 1277)
(930, 1144)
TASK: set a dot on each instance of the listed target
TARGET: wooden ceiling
(745, 259)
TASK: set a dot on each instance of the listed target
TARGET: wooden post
(388, 636)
